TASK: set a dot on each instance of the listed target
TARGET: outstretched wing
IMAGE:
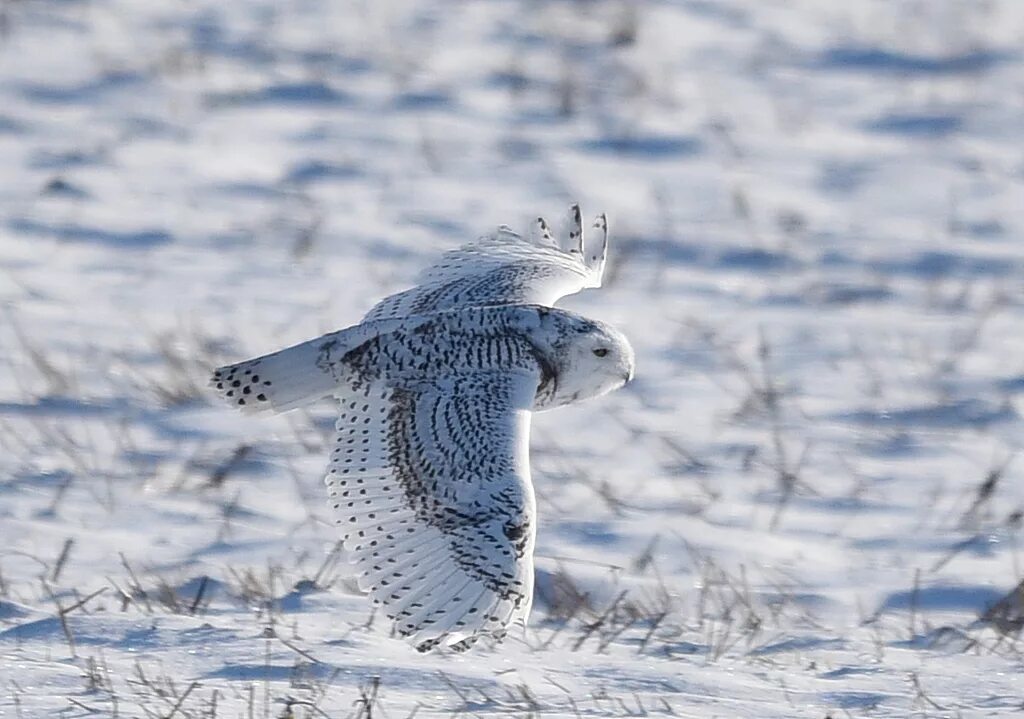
(506, 268)
(431, 484)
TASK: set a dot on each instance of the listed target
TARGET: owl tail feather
(293, 376)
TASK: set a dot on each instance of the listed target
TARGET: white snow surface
(803, 506)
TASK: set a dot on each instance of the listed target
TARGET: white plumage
(505, 269)
(429, 475)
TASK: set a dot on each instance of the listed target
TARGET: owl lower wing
(431, 485)
(505, 268)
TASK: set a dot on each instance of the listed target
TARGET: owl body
(429, 475)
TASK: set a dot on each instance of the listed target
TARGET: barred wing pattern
(431, 484)
(506, 268)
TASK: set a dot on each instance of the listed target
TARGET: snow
(802, 507)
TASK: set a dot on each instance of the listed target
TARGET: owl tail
(294, 376)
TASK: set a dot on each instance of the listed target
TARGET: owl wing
(506, 268)
(430, 482)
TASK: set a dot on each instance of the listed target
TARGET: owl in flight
(429, 476)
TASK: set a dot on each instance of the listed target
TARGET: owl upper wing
(430, 481)
(505, 268)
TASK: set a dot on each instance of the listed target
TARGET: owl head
(580, 358)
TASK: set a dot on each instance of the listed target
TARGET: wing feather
(504, 268)
(435, 502)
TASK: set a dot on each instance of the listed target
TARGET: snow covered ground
(806, 505)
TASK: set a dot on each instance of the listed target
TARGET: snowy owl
(429, 476)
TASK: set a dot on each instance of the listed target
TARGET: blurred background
(809, 501)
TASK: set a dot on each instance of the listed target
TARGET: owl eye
(601, 351)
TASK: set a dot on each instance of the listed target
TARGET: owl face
(586, 358)
(595, 361)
